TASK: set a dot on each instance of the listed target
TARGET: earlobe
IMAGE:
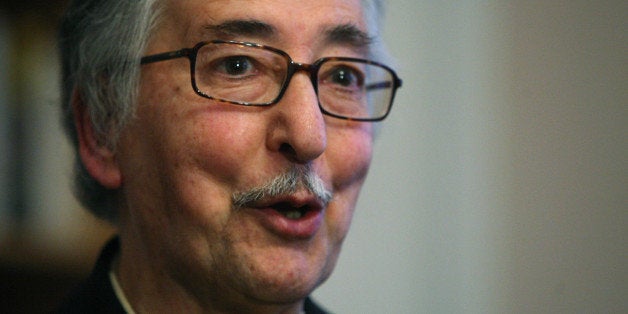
(98, 159)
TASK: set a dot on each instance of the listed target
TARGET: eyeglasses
(250, 74)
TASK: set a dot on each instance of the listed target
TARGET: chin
(290, 283)
(287, 292)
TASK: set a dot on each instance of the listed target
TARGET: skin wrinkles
(183, 157)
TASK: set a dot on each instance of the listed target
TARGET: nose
(299, 130)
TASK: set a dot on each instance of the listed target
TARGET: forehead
(294, 21)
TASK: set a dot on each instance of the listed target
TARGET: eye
(345, 76)
(235, 65)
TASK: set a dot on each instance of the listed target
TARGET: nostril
(288, 150)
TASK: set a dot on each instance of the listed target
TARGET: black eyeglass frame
(293, 67)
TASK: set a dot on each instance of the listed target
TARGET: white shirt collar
(118, 291)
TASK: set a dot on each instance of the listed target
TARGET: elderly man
(227, 141)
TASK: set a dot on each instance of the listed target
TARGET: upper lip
(297, 200)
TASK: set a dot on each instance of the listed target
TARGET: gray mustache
(288, 182)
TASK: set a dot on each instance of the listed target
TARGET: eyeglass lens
(255, 76)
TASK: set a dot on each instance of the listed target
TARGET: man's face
(184, 157)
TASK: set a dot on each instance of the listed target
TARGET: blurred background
(499, 182)
(47, 242)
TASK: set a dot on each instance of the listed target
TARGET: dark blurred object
(29, 290)
(51, 9)
(32, 279)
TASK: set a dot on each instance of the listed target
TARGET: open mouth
(295, 216)
(291, 212)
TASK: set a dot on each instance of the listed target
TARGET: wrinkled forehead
(297, 22)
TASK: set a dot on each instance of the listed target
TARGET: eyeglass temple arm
(166, 56)
(383, 85)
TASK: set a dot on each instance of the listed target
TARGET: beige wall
(500, 182)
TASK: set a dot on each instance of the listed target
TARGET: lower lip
(303, 228)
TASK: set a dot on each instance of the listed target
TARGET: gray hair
(289, 182)
(101, 43)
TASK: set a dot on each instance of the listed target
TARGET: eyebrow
(238, 28)
(338, 34)
(348, 34)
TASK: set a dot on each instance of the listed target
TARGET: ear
(97, 158)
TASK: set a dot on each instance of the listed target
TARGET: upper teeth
(293, 214)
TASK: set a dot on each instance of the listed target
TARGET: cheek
(205, 161)
(215, 142)
(349, 157)
(186, 158)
